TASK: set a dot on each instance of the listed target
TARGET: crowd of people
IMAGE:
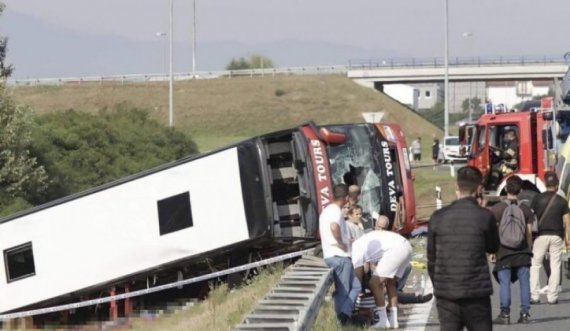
(514, 235)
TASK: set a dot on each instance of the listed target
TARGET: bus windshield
(358, 161)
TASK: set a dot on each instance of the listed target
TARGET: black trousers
(474, 314)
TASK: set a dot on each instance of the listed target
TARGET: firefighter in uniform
(508, 158)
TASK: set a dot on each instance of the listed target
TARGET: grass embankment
(220, 111)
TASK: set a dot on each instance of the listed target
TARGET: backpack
(512, 226)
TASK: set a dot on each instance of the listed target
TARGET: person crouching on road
(391, 253)
(459, 235)
(335, 243)
(513, 258)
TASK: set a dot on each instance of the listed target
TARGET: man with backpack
(512, 262)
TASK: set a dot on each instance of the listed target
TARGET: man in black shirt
(513, 263)
(551, 237)
(459, 235)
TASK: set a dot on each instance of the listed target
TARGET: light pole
(171, 79)
(194, 41)
(470, 99)
(446, 75)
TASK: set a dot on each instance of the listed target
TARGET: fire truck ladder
(292, 304)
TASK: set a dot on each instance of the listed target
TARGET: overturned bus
(259, 197)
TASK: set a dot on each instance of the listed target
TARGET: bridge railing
(160, 77)
(438, 62)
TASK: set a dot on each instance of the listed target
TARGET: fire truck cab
(534, 131)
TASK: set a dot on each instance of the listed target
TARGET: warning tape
(154, 289)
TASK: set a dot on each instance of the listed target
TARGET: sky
(294, 32)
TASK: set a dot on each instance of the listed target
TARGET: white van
(450, 150)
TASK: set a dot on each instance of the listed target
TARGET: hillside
(219, 111)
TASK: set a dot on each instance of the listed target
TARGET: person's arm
(567, 231)
(492, 239)
(529, 235)
(335, 229)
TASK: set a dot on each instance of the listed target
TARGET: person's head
(551, 181)
(340, 194)
(382, 223)
(419, 138)
(345, 209)
(355, 214)
(510, 135)
(353, 194)
(514, 185)
(469, 181)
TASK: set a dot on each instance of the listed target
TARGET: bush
(82, 150)
(279, 92)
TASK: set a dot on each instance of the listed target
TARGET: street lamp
(470, 109)
(194, 40)
(171, 80)
(446, 75)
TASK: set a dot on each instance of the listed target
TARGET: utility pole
(194, 42)
(446, 76)
(171, 78)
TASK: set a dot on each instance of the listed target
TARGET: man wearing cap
(553, 233)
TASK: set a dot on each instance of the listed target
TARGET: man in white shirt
(392, 254)
(336, 252)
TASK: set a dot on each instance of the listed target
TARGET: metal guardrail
(87, 303)
(161, 77)
(294, 303)
(438, 62)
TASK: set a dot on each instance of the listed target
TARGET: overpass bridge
(374, 72)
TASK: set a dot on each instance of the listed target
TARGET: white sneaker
(544, 290)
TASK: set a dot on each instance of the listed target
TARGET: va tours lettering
(390, 176)
(321, 171)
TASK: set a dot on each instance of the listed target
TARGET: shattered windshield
(357, 161)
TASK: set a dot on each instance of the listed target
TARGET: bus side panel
(118, 231)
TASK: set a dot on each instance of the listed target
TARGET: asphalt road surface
(543, 316)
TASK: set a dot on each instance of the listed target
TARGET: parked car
(450, 150)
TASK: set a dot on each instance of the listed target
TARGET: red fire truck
(535, 130)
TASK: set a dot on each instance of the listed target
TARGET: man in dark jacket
(459, 235)
(513, 263)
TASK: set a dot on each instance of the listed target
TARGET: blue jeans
(347, 286)
(524, 282)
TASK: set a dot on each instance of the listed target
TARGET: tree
(5, 70)
(238, 64)
(255, 61)
(83, 150)
(22, 179)
(259, 62)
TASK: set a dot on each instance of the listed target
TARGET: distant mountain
(38, 50)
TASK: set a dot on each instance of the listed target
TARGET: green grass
(426, 179)
(221, 311)
(219, 111)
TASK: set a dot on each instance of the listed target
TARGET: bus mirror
(331, 137)
(547, 139)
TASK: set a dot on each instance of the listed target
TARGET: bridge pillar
(379, 86)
